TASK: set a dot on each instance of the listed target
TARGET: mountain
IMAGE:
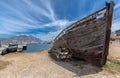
(21, 39)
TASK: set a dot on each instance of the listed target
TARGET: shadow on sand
(79, 67)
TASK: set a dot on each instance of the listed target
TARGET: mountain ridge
(21, 39)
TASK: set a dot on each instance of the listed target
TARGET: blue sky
(46, 18)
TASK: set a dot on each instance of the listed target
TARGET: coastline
(40, 65)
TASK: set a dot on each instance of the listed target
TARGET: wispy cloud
(31, 16)
(18, 18)
(45, 10)
(60, 24)
(23, 18)
(116, 16)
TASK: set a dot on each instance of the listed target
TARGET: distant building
(113, 34)
(118, 32)
(115, 37)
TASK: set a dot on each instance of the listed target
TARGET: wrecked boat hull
(87, 39)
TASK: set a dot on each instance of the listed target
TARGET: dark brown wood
(109, 7)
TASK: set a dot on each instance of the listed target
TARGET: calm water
(37, 47)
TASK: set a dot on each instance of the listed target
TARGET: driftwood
(87, 38)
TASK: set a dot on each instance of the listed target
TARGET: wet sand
(40, 65)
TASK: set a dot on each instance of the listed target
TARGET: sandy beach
(41, 65)
(114, 50)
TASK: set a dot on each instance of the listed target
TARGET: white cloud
(116, 26)
(61, 23)
(24, 20)
(51, 35)
(116, 17)
(117, 5)
(42, 11)
(47, 37)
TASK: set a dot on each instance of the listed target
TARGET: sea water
(36, 47)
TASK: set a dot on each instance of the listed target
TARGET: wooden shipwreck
(87, 38)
